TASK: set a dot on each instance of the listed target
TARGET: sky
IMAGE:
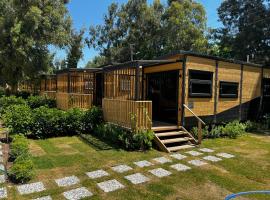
(90, 12)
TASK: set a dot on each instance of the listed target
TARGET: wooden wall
(266, 73)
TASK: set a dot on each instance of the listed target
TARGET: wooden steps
(173, 138)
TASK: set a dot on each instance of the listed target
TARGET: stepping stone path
(206, 150)
(143, 163)
(31, 188)
(178, 156)
(67, 181)
(225, 155)
(212, 158)
(137, 178)
(44, 198)
(197, 163)
(160, 172)
(110, 186)
(77, 194)
(97, 174)
(121, 168)
(2, 179)
(3, 193)
(162, 160)
(180, 167)
(194, 153)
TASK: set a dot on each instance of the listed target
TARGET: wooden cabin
(181, 90)
(266, 90)
(48, 86)
(76, 88)
(30, 86)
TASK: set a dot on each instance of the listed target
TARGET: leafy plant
(205, 132)
(92, 118)
(252, 126)
(23, 94)
(5, 102)
(19, 146)
(38, 101)
(234, 129)
(72, 122)
(2, 92)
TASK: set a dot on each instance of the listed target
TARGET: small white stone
(197, 163)
(143, 163)
(162, 160)
(3, 193)
(178, 156)
(67, 181)
(212, 158)
(110, 186)
(225, 155)
(194, 153)
(44, 198)
(97, 174)
(206, 150)
(31, 188)
(160, 172)
(180, 167)
(137, 178)
(77, 194)
(121, 168)
(2, 179)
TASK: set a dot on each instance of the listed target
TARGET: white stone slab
(97, 174)
(225, 155)
(44, 198)
(3, 193)
(2, 179)
(180, 167)
(160, 172)
(206, 150)
(121, 168)
(194, 153)
(178, 156)
(110, 186)
(212, 158)
(77, 194)
(31, 188)
(162, 160)
(143, 163)
(67, 181)
(137, 178)
(197, 163)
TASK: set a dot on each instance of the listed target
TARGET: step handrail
(200, 123)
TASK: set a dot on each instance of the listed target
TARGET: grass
(59, 157)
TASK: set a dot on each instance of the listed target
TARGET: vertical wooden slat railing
(67, 101)
(49, 94)
(129, 114)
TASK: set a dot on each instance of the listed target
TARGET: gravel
(180, 167)
(143, 163)
(110, 186)
(137, 178)
(3, 193)
(97, 174)
(121, 168)
(160, 172)
(162, 160)
(197, 163)
(225, 155)
(67, 181)
(206, 150)
(31, 188)
(77, 194)
(212, 158)
(178, 156)
(44, 198)
(194, 153)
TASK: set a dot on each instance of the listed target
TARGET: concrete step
(172, 133)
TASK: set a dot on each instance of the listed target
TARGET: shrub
(5, 102)
(18, 118)
(143, 140)
(19, 146)
(92, 118)
(205, 132)
(38, 101)
(252, 126)
(22, 169)
(2, 92)
(72, 122)
(234, 129)
(23, 94)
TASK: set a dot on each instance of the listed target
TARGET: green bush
(22, 169)
(5, 102)
(252, 126)
(23, 94)
(92, 118)
(72, 122)
(234, 129)
(143, 140)
(18, 118)
(38, 101)
(2, 92)
(205, 132)
(19, 146)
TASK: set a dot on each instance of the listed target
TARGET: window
(125, 83)
(228, 89)
(200, 83)
(266, 87)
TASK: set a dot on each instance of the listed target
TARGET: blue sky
(90, 12)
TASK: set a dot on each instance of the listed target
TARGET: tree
(27, 28)
(75, 52)
(246, 30)
(96, 62)
(152, 30)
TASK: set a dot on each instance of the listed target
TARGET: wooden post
(184, 89)
(199, 132)
(137, 80)
(216, 93)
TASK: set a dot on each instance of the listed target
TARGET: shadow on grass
(261, 132)
(96, 143)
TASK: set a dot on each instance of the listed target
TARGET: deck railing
(66, 101)
(49, 94)
(129, 114)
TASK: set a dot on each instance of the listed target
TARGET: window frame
(200, 81)
(230, 83)
(124, 83)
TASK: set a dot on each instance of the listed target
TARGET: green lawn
(60, 157)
